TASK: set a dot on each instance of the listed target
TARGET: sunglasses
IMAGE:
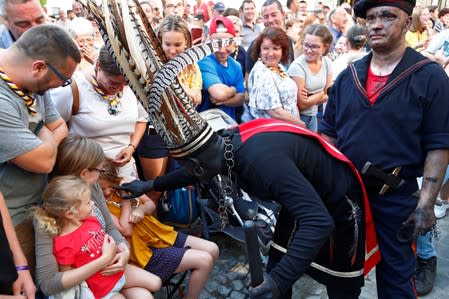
(65, 81)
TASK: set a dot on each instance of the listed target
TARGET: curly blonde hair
(61, 195)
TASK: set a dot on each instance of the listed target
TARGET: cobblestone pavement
(228, 277)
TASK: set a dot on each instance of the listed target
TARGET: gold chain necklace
(282, 74)
(113, 101)
(29, 101)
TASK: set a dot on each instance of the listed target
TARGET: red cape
(249, 129)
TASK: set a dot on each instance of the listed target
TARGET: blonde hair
(61, 195)
(177, 24)
(110, 173)
(76, 153)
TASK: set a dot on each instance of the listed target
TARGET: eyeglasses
(85, 40)
(314, 48)
(99, 170)
(65, 81)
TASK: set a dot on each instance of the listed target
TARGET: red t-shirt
(374, 85)
(81, 247)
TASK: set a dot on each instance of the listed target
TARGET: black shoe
(425, 275)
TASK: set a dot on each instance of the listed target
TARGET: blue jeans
(425, 248)
(310, 121)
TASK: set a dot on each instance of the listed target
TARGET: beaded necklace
(282, 74)
(113, 101)
(29, 101)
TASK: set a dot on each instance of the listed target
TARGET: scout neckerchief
(113, 101)
(29, 100)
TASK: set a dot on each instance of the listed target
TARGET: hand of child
(109, 249)
(119, 261)
(136, 215)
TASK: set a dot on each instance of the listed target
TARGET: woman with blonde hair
(83, 158)
(175, 38)
(419, 34)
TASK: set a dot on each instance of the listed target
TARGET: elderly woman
(83, 33)
(108, 112)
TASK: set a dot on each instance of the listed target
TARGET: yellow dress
(190, 77)
(148, 233)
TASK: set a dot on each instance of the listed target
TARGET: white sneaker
(440, 208)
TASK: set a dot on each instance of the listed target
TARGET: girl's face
(107, 188)
(270, 53)
(173, 43)
(340, 46)
(424, 17)
(85, 207)
(313, 47)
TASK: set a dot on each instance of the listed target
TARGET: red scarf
(262, 125)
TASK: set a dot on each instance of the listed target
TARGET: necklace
(29, 101)
(113, 101)
(282, 74)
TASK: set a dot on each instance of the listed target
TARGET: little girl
(156, 247)
(66, 213)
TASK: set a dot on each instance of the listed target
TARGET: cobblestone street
(228, 277)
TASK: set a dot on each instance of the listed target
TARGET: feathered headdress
(130, 39)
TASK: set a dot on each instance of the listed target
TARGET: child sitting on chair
(156, 247)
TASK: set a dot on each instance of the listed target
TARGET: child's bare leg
(201, 263)
(138, 277)
(141, 293)
(203, 245)
(118, 296)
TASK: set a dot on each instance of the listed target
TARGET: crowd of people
(71, 130)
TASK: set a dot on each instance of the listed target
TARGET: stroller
(224, 207)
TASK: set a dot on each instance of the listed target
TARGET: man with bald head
(20, 15)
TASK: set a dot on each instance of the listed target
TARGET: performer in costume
(316, 185)
(324, 218)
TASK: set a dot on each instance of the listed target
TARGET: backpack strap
(76, 97)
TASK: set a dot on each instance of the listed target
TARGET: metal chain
(226, 184)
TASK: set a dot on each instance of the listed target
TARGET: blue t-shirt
(212, 73)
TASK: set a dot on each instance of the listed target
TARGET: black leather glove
(268, 289)
(135, 188)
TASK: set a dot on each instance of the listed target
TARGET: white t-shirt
(314, 82)
(112, 132)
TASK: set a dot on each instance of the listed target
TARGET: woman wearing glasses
(108, 112)
(84, 158)
(83, 33)
(312, 73)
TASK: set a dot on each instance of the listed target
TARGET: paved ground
(228, 277)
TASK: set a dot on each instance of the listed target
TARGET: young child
(66, 213)
(156, 247)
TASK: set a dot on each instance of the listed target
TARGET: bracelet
(22, 268)
(134, 147)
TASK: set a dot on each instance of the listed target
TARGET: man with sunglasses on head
(388, 114)
(44, 57)
(20, 15)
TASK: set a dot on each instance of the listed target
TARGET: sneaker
(440, 208)
(425, 273)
